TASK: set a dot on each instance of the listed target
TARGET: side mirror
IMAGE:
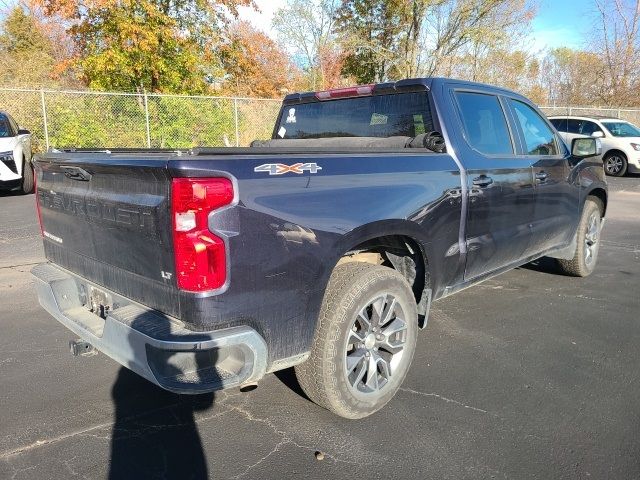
(23, 131)
(598, 134)
(586, 147)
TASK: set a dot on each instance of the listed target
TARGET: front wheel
(588, 242)
(615, 164)
(27, 184)
(364, 342)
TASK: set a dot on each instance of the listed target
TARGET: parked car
(321, 248)
(16, 171)
(620, 140)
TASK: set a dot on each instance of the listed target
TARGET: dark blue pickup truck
(321, 248)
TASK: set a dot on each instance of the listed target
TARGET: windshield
(5, 131)
(622, 129)
(403, 114)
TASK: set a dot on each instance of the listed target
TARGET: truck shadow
(155, 434)
(288, 377)
(543, 265)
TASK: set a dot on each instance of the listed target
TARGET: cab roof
(406, 85)
(599, 118)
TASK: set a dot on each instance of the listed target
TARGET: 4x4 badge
(280, 168)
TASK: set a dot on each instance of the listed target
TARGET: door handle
(76, 173)
(482, 181)
(541, 176)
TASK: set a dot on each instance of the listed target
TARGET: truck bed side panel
(285, 235)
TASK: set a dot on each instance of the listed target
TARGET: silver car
(620, 140)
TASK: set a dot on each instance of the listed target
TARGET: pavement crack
(448, 400)
(17, 471)
(20, 265)
(286, 440)
(39, 443)
(88, 432)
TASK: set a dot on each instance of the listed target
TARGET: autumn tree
(306, 28)
(369, 31)
(27, 56)
(573, 77)
(408, 38)
(157, 45)
(255, 64)
(617, 42)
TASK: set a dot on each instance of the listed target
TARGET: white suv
(16, 172)
(620, 140)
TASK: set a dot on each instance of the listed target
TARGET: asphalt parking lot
(529, 375)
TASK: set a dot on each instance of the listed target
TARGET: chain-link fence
(98, 119)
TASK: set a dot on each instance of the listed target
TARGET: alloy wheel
(375, 345)
(614, 164)
(591, 238)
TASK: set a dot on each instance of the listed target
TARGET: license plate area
(99, 302)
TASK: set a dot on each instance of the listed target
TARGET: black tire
(615, 164)
(356, 293)
(26, 186)
(588, 241)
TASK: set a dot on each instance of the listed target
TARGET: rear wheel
(26, 186)
(588, 241)
(615, 164)
(364, 341)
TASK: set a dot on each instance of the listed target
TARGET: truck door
(499, 181)
(555, 214)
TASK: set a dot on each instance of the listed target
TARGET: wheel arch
(614, 150)
(395, 244)
(20, 158)
(601, 194)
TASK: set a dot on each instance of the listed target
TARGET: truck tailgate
(108, 219)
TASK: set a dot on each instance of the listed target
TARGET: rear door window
(402, 114)
(589, 128)
(485, 126)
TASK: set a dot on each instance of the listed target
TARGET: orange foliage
(256, 65)
(331, 61)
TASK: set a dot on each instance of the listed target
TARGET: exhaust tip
(248, 387)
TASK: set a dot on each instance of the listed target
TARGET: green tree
(369, 31)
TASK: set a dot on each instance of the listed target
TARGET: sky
(559, 23)
(562, 23)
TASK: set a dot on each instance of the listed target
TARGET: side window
(13, 124)
(559, 123)
(588, 128)
(566, 125)
(485, 126)
(539, 138)
(573, 126)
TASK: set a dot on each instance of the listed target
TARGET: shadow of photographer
(155, 434)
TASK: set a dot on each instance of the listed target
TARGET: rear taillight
(361, 90)
(35, 194)
(201, 260)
